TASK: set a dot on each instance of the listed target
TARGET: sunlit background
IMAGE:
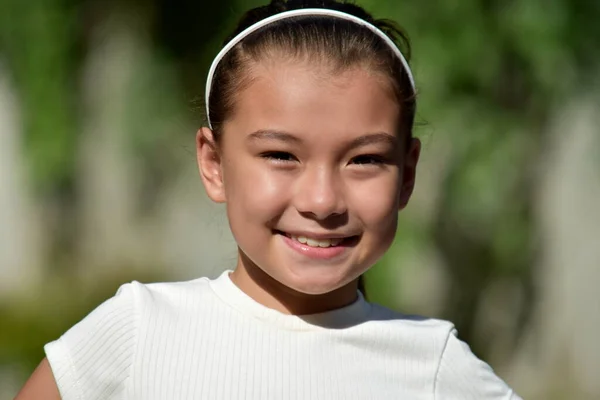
(99, 104)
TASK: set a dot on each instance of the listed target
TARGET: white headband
(295, 13)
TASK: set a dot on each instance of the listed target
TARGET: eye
(368, 159)
(279, 156)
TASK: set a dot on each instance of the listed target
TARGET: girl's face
(313, 172)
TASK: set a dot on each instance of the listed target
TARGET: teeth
(317, 243)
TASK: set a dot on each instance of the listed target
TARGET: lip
(319, 253)
(316, 236)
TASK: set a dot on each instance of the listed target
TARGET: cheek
(253, 191)
(376, 202)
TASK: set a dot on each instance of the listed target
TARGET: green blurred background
(99, 104)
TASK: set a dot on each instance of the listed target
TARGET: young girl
(309, 145)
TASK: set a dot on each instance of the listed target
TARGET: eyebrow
(267, 134)
(375, 138)
(364, 140)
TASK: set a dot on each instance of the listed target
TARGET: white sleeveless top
(206, 339)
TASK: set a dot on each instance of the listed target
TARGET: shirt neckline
(341, 318)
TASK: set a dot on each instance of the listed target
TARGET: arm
(41, 385)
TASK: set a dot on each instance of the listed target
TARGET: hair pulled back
(335, 43)
(338, 44)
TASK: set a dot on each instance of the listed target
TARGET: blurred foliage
(39, 42)
(509, 60)
(499, 69)
(489, 73)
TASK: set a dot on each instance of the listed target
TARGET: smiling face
(313, 172)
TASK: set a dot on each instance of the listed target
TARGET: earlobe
(209, 164)
(409, 172)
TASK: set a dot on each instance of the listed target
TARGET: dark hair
(334, 42)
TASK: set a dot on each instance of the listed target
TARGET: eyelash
(279, 156)
(371, 159)
(283, 157)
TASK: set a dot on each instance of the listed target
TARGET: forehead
(314, 101)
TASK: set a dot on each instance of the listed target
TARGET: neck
(267, 291)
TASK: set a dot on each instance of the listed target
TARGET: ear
(209, 164)
(409, 172)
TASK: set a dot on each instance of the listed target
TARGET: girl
(309, 144)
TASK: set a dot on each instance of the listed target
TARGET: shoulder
(428, 329)
(412, 338)
(424, 337)
(95, 356)
(462, 375)
(458, 373)
(168, 294)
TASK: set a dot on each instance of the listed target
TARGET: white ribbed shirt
(206, 339)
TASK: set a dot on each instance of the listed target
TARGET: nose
(319, 194)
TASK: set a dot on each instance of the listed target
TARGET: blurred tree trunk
(561, 356)
(21, 247)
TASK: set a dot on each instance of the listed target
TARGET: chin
(313, 289)
(315, 282)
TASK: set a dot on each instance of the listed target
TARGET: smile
(324, 243)
(319, 246)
